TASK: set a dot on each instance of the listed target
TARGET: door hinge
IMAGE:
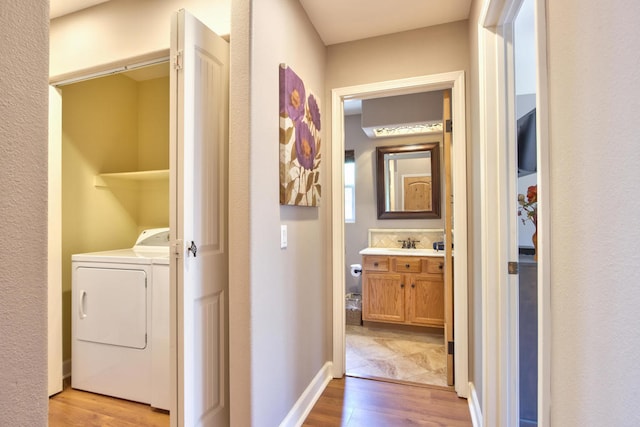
(513, 267)
(177, 60)
(450, 347)
(177, 249)
(448, 126)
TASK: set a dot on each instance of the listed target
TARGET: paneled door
(198, 220)
(417, 193)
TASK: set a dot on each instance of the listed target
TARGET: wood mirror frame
(434, 150)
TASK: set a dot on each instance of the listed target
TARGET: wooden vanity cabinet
(407, 290)
(383, 297)
(426, 300)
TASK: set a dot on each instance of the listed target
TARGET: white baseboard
(66, 369)
(308, 398)
(474, 407)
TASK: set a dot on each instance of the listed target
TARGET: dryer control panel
(153, 237)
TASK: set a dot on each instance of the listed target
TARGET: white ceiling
(62, 7)
(339, 21)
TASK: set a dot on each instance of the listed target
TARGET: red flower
(529, 206)
(532, 194)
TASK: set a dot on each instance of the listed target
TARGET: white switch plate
(283, 236)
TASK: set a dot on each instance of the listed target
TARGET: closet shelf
(105, 179)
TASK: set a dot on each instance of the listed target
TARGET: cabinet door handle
(413, 285)
(375, 264)
(407, 265)
(440, 266)
(402, 285)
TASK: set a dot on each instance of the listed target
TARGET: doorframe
(500, 406)
(456, 82)
(59, 367)
(55, 371)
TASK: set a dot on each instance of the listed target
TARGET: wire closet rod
(110, 71)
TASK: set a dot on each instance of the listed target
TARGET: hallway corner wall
(23, 208)
(283, 295)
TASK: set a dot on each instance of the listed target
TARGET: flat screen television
(527, 158)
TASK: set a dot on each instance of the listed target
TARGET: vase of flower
(528, 210)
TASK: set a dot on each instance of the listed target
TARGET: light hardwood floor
(357, 402)
(352, 402)
(72, 408)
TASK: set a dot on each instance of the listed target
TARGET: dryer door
(111, 306)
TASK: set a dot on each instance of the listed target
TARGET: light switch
(283, 236)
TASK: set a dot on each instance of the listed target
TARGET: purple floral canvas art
(299, 142)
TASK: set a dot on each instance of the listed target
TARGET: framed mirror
(408, 181)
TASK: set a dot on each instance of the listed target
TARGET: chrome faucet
(409, 244)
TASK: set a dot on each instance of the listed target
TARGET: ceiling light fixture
(405, 129)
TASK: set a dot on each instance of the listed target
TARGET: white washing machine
(120, 321)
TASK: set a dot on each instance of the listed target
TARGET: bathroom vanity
(403, 286)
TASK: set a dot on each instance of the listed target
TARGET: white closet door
(199, 139)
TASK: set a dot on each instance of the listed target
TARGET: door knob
(192, 248)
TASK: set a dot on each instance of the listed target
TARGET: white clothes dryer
(120, 321)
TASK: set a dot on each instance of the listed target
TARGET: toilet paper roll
(356, 270)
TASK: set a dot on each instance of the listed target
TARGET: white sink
(401, 252)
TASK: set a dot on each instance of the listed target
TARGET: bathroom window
(349, 186)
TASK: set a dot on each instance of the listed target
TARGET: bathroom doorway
(455, 82)
(387, 350)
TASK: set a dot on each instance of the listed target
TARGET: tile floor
(398, 355)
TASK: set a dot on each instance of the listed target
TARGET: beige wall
(153, 151)
(240, 302)
(23, 213)
(420, 52)
(594, 127)
(114, 31)
(110, 124)
(153, 123)
(280, 295)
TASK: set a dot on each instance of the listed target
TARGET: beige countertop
(401, 252)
